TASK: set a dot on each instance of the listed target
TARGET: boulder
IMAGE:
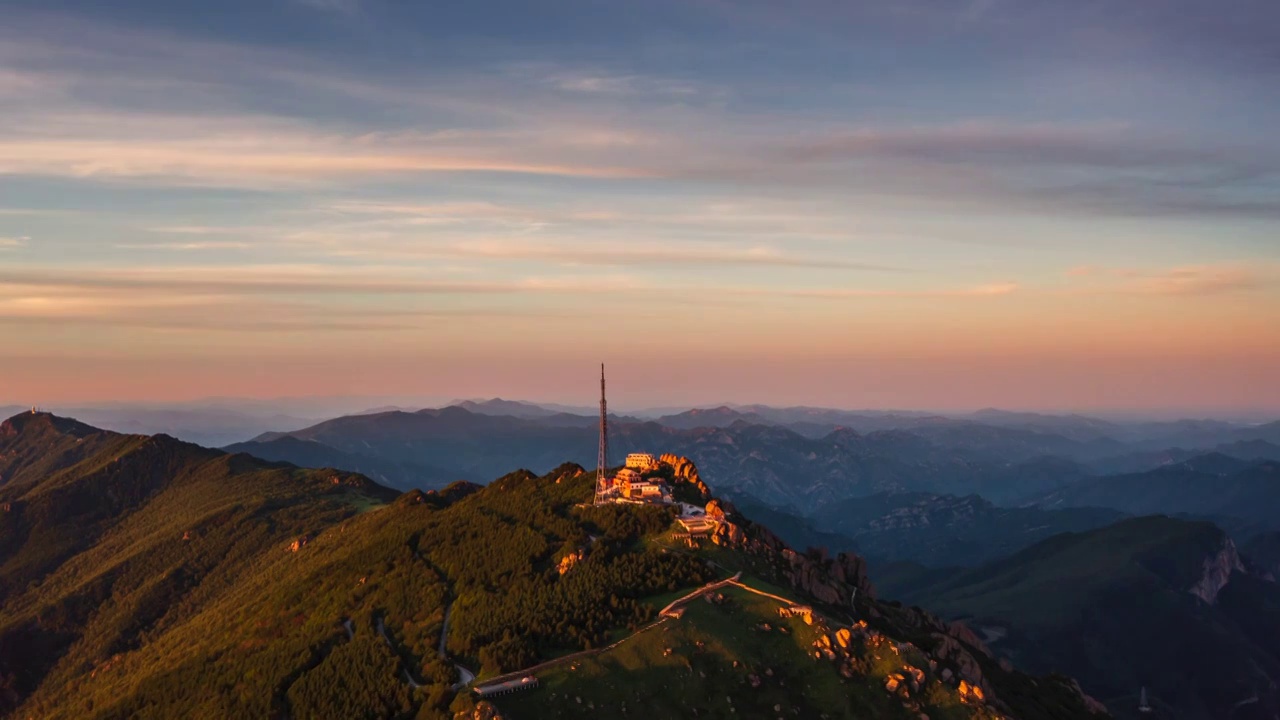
(485, 710)
(844, 638)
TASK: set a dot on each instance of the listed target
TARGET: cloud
(195, 285)
(623, 85)
(89, 111)
(13, 242)
(269, 280)
(1108, 146)
(196, 245)
(610, 254)
(1184, 281)
(299, 302)
(1109, 167)
(195, 229)
(977, 291)
(699, 233)
(263, 160)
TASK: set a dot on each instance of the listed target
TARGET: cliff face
(835, 581)
(1217, 572)
(685, 471)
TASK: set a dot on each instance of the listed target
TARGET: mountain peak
(499, 406)
(44, 422)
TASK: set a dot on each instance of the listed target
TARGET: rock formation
(954, 654)
(684, 470)
(569, 560)
(484, 710)
(1217, 572)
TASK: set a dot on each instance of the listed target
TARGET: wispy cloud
(267, 280)
(1108, 167)
(622, 85)
(13, 242)
(610, 254)
(1185, 281)
(258, 160)
(555, 120)
(196, 229)
(978, 291)
(195, 245)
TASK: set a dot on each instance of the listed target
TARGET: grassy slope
(1054, 579)
(714, 649)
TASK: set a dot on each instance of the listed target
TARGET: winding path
(444, 633)
(465, 676)
(663, 616)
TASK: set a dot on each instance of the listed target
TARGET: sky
(919, 204)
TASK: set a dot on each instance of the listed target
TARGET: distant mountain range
(432, 447)
(209, 425)
(1209, 486)
(939, 530)
(925, 528)
(1111, 445)
(1150, 602)
(517, 408)
(804, 465)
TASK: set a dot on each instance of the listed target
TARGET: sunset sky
(910, 204)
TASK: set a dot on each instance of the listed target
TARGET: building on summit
(630, 485)
(626, 476)
(642, 462)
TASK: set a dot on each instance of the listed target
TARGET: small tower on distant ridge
(602, 465)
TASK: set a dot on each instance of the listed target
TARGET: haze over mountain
(1213, 486)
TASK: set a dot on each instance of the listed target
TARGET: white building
(625, 476)
(645, 489)
(642, 461)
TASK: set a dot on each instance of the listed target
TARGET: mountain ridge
(319, 593)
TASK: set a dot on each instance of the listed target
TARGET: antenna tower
(602, 466)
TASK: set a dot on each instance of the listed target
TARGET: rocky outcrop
(1091, 704)
(1217, 572)
(835, 581)
(683, 470)
(955, 655)
(484, 710)
(568, 561)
